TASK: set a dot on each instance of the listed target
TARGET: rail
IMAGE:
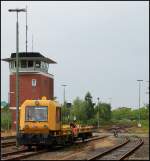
(115, 152)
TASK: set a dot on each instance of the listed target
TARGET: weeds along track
(24, 153)
(121, 151)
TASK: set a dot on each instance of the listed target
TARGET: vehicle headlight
(34, 126)
(26, 126)
(45, 126)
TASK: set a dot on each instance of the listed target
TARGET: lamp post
(139, 124)
(147, 92)
(64, 85)
(98, 112)
(17, 72)
(110, 100)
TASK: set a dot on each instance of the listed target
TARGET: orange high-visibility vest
(75, 131)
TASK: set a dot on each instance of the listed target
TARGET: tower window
(38, 63)
(43, 65)
(23, 64)
(30, 63)
(33, 82)
(12, 64)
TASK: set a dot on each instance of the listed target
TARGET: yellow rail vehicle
(40, 124)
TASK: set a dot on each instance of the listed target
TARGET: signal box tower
(34, 79)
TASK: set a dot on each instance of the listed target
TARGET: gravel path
(80, 151)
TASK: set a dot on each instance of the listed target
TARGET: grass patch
(143, 129)
(6, 120)
(130, 125)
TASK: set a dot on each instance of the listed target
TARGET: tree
(122, 113)
(104, 110)
(65, 113)
(89, 106)
(78, 110)
(83, 110)
(132, 114)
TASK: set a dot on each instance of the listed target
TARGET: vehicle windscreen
(36, 113)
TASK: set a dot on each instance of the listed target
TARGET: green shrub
(6, 120)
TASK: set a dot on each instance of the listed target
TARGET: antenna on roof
(32, 42)
(26, 30)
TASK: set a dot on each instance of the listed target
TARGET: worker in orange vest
(74, 129)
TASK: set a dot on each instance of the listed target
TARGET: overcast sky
(101, 47)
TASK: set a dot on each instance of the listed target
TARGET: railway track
(8, 137)
(21, 154)
(8, 141)
(7, 144)
(91, 139)
(74, 155)
(14, 153)
(121, 151)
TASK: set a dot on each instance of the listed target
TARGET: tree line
(85, 111)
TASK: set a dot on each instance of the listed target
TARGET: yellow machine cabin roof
(43, 102)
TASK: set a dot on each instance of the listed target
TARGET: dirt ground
(140, 154)
(77, 151)
(90, 148)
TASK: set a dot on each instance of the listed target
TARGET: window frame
(39, 63)
(33, 84)
(32, 64)
(27, 107)
(23, 64)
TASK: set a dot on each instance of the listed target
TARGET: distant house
(3, 104)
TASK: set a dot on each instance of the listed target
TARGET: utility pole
(147, 93)
(64, 85)
(32, 42)
(17, 73)
(98, 113)
(26, 32)
(139, 124)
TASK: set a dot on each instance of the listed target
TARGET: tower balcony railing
(29, 69)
